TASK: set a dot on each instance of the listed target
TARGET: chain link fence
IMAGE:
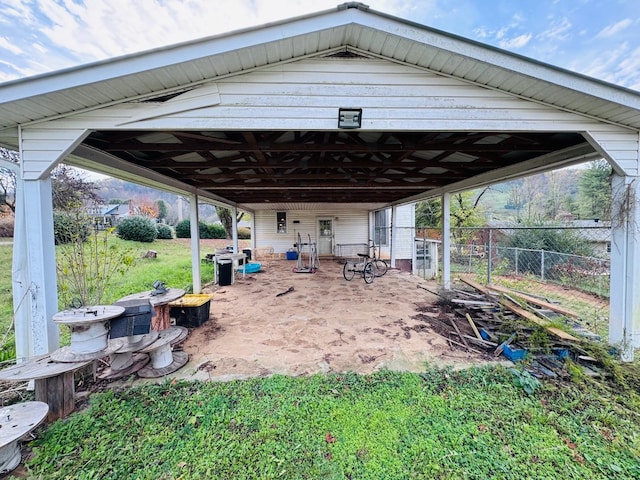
(569, 265)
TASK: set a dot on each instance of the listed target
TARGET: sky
(598, 38)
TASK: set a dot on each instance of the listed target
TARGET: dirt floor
(326, 324)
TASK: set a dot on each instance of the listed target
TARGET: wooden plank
(500, 348)
(483, 343)
(536, 301)
(478, 287)
(518, 310)
(472, 303)
(59, 393)
(473, 326)
(455, 326)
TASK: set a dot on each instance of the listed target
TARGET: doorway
(325, 236)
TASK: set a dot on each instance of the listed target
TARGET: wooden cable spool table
(89, 332)
(15, 422)
(160, 302)
(163, 359)
(54, 383)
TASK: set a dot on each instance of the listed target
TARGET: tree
(8, 180)
(594, 191)
(226, 218)
(163, 210)
(465, 211)
(428, 213)
(70, 189)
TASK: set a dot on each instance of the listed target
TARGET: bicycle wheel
(380, 267)
(368, 273)
(348, 271)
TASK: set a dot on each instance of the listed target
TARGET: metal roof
(378, 169)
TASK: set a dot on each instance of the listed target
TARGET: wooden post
(59, 393)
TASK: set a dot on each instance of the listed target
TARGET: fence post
(542, 265)
(599, 273)
(517, 260)
(489, 257)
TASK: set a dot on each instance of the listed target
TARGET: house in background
(339, 230)
(108, 215)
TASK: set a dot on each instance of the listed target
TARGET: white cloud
(97, 29)
(558, 30)
(612, 30)
(7, 45)
(515, 42)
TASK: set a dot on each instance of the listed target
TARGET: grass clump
(474, 424)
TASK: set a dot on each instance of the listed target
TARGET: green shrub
(183, 230)
(216, 230)
(244, 233)
(69, 227)
(165, 232)
(138, 229)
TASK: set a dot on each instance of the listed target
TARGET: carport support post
(624, 307)
(194, 221)
(234, 229)
(394, 235)
(446, 241)
(36, 300)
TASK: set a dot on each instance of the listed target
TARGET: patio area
(325, 324)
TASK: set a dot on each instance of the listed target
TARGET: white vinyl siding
(404, 223)
(306, 94)
(349, 227)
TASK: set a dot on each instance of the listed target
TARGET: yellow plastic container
(192, 310)
(192, 300)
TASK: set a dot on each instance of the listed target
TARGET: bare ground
(326, 324)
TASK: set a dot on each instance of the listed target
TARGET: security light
(349, 118)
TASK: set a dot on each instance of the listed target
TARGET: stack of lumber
(496, 321)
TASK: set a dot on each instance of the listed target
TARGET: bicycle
(363, 267)
(380, 267)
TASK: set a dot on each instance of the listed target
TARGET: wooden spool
(15, 422)
(89, 332)
(126, 361)
(160, 303)
(54, 382)
(163, 360)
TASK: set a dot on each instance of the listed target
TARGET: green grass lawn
(440, 424)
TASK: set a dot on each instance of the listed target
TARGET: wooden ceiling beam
(336, 147)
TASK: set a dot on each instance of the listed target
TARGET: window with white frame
(281, 222)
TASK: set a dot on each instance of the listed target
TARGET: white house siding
(306, 94)
(350, 227)
(404, 223)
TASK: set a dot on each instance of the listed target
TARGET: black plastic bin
(191, 311)
(247, 252)
(135, 320)
(225, 272)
